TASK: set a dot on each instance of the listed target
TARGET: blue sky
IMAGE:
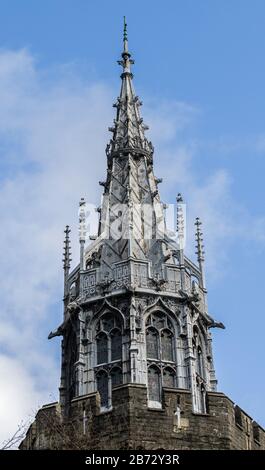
(199, 69)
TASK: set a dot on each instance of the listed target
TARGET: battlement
(125, 425)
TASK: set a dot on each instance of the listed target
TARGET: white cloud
(167, 118)
(19, 397)
(52, 136)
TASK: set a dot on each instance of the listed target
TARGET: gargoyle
(158, 282)
(215, 324)
(57, 332)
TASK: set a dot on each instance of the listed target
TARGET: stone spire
(130, 189)
(128, 129)
(66, 256)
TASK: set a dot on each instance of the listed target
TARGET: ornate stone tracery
(135, 301)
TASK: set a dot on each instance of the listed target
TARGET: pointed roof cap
(128, 129)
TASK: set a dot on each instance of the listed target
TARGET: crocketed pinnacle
(67, 250)
(199, 241)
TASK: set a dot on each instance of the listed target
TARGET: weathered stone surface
(130, 424)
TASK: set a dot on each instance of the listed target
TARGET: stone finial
(179, 198)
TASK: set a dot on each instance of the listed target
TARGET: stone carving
(158, 282)
(89, 284)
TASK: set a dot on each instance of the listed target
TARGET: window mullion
(109, 348)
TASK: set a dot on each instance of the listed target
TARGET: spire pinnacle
(82, 220)
(199, 242)
(67, 253)
(128, 129)
(125, 36)
(181, 222)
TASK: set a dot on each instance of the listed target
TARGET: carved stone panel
(173, 279)
(89, 283)
(140, 274)
(121, 276)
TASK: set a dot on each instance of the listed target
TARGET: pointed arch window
(199, 361)
(108, 356)
(102, 348)
(107, 322)
(167, 345)
(116, 345)
(161, 355)
(160, 338)
(152, 343)
(198, 353)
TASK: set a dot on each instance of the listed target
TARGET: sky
(200, 71)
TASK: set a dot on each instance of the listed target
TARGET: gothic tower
(136, 329)
(135, 307)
